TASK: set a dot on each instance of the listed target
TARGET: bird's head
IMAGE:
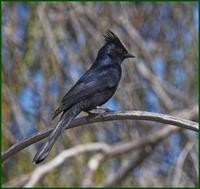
(116, 49)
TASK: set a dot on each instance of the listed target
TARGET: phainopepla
(93, 89)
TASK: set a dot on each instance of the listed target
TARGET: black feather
(111, 38)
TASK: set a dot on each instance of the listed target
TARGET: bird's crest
(111, 38)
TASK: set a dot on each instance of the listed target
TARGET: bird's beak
(129, 56)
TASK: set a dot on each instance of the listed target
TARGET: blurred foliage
(46, 47)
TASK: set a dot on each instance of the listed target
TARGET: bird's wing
(92, 82)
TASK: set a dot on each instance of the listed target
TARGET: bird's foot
(102, 114)
(91, 115)
(107, 110)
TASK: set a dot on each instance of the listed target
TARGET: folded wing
(88, 85)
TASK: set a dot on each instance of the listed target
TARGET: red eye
(120, 50)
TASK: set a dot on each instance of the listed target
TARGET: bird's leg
(91, 115)
(106, 110)
(99, 114)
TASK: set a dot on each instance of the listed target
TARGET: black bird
(93, 89)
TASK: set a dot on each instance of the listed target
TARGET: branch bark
(131, 115)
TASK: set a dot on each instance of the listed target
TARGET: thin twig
(180, 162)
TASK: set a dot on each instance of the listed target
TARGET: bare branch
(17, 181)
(131, 115)
(59, 159)
(106, 149)
(153, 141)
(92, 166)
(180, 162)
(128, 165)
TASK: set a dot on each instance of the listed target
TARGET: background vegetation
(46, 47)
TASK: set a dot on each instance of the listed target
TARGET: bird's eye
(120, 51)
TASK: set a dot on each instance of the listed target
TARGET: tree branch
(127, 165)
(109, 150)
(131, 115)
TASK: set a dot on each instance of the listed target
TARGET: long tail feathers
(62, 124)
